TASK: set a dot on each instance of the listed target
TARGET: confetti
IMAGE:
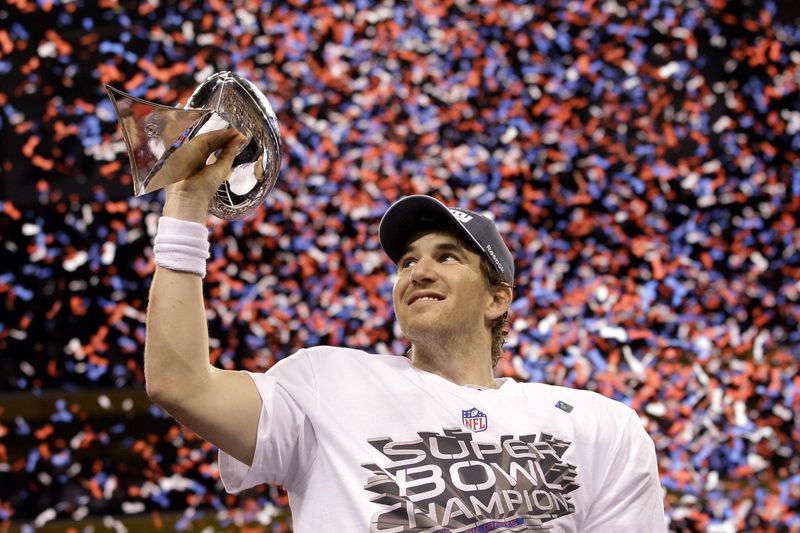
(640, 158)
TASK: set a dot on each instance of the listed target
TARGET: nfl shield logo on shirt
(474, 420)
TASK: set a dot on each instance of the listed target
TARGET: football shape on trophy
(154, 132)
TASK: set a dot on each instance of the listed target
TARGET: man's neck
(461, 366)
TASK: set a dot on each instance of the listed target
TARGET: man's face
(440, 290)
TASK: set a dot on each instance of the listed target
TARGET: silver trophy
(153, 132)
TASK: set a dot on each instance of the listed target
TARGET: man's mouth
(425, 298)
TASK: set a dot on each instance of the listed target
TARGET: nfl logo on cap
(474, 420)
(460, 215)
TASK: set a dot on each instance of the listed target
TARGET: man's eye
(447, 258)
(407, 263)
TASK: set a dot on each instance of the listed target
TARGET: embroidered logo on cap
(474, 420)
(460, 215)
(495, 258)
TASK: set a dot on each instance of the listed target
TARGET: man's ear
(501, 301)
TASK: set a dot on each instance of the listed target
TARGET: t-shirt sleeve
(286, 443)
(629, 498)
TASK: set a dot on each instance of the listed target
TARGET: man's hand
(189, 198)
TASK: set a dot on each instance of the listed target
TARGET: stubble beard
(433, 334)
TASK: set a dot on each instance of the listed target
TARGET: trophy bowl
(153, 132)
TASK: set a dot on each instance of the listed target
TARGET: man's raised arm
(219, 405)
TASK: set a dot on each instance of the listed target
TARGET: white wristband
(181, 245)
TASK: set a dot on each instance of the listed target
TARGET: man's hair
(495, 279)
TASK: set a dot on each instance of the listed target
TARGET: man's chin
(420, 328)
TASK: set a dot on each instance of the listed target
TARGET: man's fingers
(193, 155)
(220, 169)
(209, 142)
(231, 147)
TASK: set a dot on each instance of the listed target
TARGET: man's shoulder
(568, 398)
(323, 351)
(337, 356)
(322, 363)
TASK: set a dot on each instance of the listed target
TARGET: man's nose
(424, 270)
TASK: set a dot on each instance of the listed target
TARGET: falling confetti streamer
(640, 158)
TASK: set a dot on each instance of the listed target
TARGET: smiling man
(386, 443)
(450, 291)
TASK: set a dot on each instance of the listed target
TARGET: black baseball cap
(412, 213)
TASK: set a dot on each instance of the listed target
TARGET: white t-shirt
(367, 442)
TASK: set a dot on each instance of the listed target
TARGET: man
(429, 442)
